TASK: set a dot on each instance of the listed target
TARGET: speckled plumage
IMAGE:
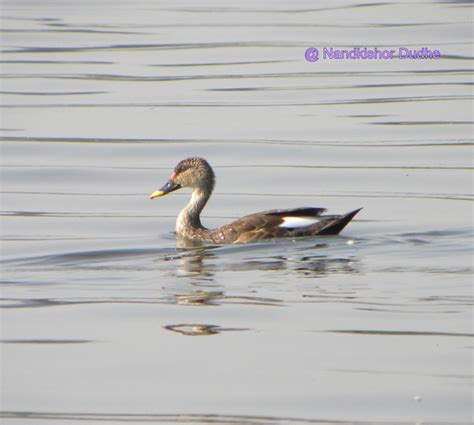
(198, 175)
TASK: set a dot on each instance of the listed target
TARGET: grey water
(106, 318)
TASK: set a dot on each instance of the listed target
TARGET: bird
(197, 174)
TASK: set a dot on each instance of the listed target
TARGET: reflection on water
(201, 298)
(196, 329)
(198, 268)
(201, 261)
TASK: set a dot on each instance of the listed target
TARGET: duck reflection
(202, 261)
(193, 258)
(196, 329)
(203, 268)
(201, 298)
(318, 266)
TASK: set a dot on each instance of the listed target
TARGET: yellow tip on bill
(157, 194)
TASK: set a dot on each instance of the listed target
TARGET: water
(105, 318)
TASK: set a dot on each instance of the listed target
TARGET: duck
(196, 173)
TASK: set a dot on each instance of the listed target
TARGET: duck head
(195, 173)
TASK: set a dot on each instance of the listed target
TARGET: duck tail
(336, 226)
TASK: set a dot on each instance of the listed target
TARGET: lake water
(106, 319)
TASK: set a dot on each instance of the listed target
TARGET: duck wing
(294, 222)
(294, 212)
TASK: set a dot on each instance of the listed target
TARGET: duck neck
(189, 217)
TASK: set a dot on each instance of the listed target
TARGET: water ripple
(400, 333)
(207, 419)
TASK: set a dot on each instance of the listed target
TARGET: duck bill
(170, 186)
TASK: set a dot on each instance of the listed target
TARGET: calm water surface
(106, 319)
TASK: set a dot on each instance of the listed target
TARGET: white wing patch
(294, 222)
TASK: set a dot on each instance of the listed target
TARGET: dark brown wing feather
(338, 223)
(294, 212)
(265, 225)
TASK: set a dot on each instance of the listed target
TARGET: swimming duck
(198, 175)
